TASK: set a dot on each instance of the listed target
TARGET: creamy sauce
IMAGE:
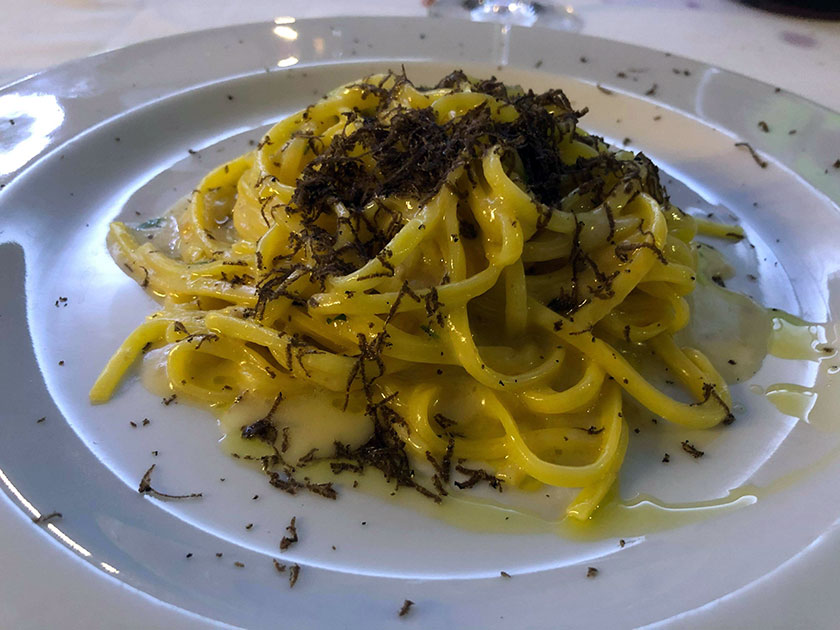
(313, 420)
(728, 327)
(153, 372)
(731, 329)
(636, 516)
(644, 514)
(163, 232)
(815, 404)
(795, 339)
(792, 400)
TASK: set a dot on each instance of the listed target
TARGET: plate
(128, 133)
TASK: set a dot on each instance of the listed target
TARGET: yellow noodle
(489, 315)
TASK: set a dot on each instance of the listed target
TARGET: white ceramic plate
(127, 133)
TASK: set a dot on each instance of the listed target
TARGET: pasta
(462, 266)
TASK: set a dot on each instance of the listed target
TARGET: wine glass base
(512, 12)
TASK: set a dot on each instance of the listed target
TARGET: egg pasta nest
(459, 264)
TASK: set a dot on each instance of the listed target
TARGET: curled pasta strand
(496, 291)
(609, 413)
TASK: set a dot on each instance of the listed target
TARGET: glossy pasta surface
(461, 267)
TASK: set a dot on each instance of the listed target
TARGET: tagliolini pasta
(461, 265)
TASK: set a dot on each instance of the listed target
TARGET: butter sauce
(536, 513)
(312, 417)
(731, 329)
(795, 339)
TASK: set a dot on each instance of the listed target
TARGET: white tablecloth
(799, 55)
